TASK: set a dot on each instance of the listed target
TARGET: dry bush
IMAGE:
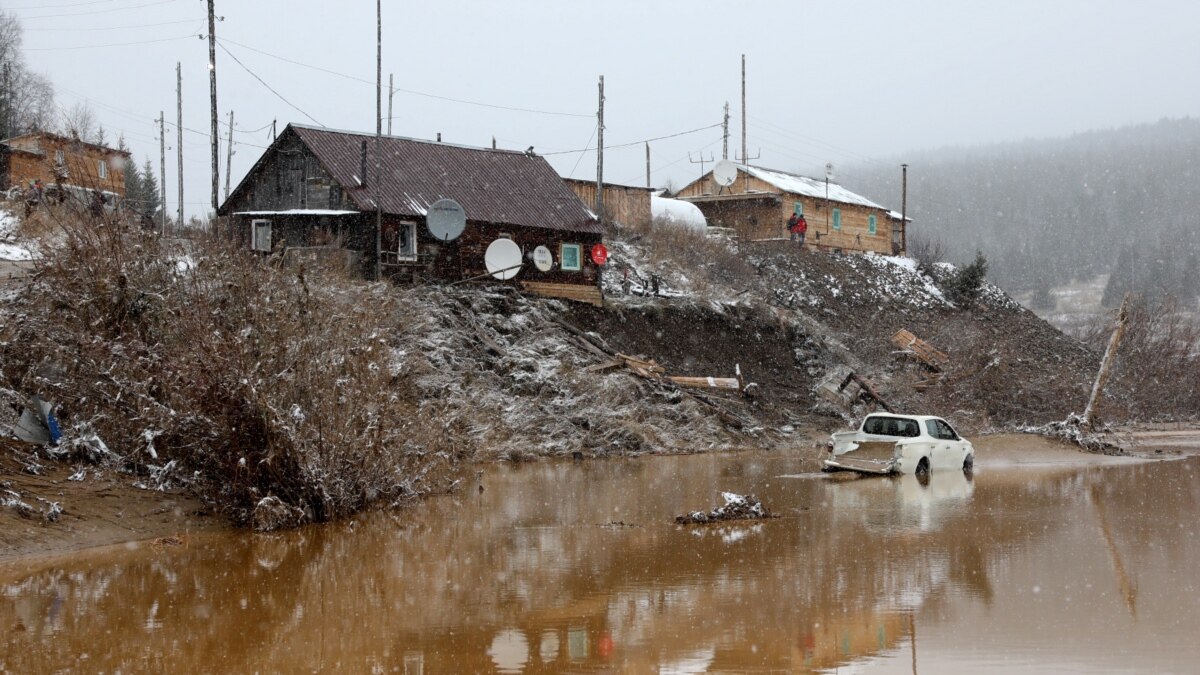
(1157, 371)
(710, 263)
(199, 362)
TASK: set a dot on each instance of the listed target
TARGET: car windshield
(891, 426)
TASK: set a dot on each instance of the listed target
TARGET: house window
(798, 208)
(260, 235)
(571, 258)
(407, 246)
(102, 167)
(870, 224)
(837, 219)
(60, 157)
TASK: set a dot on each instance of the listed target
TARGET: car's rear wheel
(923, 467)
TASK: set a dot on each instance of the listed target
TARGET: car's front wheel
(968, 464)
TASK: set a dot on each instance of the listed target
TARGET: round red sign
(599, 254)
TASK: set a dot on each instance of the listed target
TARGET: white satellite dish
(724, 173)
(543, 259)
(446, 220)
(503, 259)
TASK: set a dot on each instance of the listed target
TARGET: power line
(96, 28)
(70, 4)
(580, 157)
(99, 11)
(405, 91)
(261, 81)
(632, 143)
(115, 44)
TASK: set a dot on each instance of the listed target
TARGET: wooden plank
(920, 349)
(706, 382)
(575, 292)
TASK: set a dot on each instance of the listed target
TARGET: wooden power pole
(744, 155)
(378, 134)
(162, 167)
(725, 133)
(212, 94)
(391, 95)
(647, 163)
(229, 156)
(600, 155)
(179, 129)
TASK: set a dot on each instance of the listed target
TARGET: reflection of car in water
(887, 443)
(904, 502)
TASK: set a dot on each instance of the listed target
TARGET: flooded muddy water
(564, 567)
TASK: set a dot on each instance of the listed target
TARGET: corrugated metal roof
(495, 186)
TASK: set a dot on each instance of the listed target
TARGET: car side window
(945, 432)
(932, 427)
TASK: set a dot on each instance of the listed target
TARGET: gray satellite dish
(503, 259)
(446, 220)
(543, 259)
(724, 173)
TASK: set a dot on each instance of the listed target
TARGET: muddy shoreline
(104, 509)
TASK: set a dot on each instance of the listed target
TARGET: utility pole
(378, 134)
(744, 154)
(179, 138)
(162, 167)
(647, 164)
(273, 130)
(725, 133)
(391, 95)
(6, 128)
(903, 208)
(229, 157)
(212, 94)
(600, 155)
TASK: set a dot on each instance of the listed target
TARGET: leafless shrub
(262, 380)
(1157, 371)
(927, 252)
(709, 261)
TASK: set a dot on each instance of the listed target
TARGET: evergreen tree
(965, 285)
(151, 200)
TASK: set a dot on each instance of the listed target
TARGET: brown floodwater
(568, 568)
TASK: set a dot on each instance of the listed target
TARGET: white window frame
(60, 158)
(254, 225)
(563, 258)
(408, 227)
(103, 168)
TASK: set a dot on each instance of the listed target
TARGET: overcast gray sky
(849, 82)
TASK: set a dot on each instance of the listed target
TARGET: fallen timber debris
(737, 507)
(651, 371)
(932, 359)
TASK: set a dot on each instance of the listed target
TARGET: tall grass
(267, 385)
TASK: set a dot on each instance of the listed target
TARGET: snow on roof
(895, 215)
(677, 211)
(809, 187)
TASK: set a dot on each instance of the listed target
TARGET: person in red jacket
(798, 226)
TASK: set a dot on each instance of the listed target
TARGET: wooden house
(317, 187)
(759, 202)
(623, 204)
(67, 167)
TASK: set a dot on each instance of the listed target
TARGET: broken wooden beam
(921, 350)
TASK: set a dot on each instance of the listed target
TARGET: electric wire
(402, 90)
(99, 11)
(261, 81)
(102, 28)
(580, 157)
(115, 44)
(633, 143)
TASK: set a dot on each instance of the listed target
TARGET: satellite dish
(446, 220)
(724, 173)
(503, 259)
(543, 259)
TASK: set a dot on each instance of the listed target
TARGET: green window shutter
(837, 219)
(798, 208)
(870, 224)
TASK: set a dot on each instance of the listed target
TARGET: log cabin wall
(624, 204)
(50, 158)
(290, 177)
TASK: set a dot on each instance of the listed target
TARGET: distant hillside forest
(1047, 212)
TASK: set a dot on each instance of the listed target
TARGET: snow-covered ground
(10, 249)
